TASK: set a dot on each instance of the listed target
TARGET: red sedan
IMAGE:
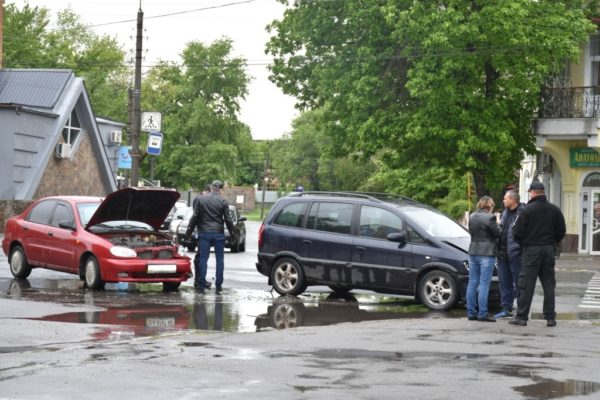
(115, 239)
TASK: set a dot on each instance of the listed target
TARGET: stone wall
(80, 175)
(8, 208)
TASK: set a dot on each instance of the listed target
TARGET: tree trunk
(480, 186)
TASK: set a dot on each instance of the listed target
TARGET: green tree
(199, 100)
(302, 158)
(434, 89)
(71, 45)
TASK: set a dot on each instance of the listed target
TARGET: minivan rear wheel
(287, 277)
(438, 290)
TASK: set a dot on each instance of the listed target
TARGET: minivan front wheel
(438, 290)
(287, 277)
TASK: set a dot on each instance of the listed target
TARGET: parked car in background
(237, 245)
(379, 242)
(178, 217)
(239, 226)
(169, 218)
(115, 239)
(188, 242)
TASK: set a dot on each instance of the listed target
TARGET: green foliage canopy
(200, 101)
(444, 86)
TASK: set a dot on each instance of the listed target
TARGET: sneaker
(218, 289)
(472, 318)
(486, 319)
(504, 314)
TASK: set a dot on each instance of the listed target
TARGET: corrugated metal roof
(34, 88)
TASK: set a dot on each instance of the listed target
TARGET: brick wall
(248, 194)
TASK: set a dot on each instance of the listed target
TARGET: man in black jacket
(538, 230)
(205, 191)
(509, 254)
(210, 213)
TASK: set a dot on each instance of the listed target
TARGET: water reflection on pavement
(143, 310)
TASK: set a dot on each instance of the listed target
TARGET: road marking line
(591, 297)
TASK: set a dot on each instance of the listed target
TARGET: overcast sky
(266, 110)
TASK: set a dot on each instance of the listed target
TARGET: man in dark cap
(205, 191)
(538, 230)
(210, 213)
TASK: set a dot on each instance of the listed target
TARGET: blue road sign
(154, 143)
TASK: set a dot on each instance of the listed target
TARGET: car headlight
(119, 251)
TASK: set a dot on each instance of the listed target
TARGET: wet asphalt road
(247, 303)
(298, 347)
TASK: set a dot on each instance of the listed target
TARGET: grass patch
(255, 215)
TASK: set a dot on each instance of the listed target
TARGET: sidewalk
(574, 261)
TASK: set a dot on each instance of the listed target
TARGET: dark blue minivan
(379, 242)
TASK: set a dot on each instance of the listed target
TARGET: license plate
(161, 269)
(160, 322)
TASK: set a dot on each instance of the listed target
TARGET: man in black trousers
(538, 230)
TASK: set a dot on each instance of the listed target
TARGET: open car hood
(149, 205)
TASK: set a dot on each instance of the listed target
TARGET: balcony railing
(570, 102)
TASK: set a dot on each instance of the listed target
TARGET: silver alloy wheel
(286, 276)
(439, 292)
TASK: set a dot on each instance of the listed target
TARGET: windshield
(86, 210)
(121, 226)
(435, 223)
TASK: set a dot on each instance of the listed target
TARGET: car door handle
(306, 241)
(50, 234)
(361, 248)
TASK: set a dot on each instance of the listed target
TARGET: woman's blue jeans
(481, 270)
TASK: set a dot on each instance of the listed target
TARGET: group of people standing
(524, 244)
(211, 213)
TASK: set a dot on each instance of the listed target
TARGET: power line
(176, 13)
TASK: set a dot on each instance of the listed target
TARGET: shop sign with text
(584, 157)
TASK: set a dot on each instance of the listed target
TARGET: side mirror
(242, 219)
(399, 237)
(66, 224)
(180, 216)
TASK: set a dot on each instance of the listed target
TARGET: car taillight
(260, 235)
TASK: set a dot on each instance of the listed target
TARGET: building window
(595, 45)
(592, 180)
(72, 128)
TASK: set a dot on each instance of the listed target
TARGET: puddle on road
(144, 310)
(546, 388)
(550, 389)
(438, 356)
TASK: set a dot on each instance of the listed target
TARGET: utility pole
(265, 181)
(137, 91)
